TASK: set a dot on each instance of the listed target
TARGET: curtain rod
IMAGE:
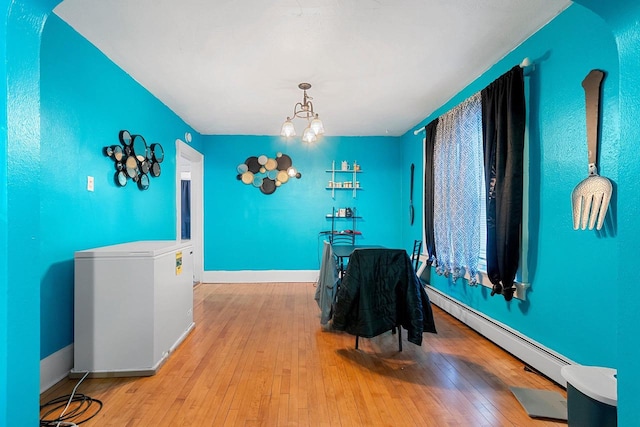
(526, 62)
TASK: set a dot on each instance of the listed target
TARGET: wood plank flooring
(259, 357)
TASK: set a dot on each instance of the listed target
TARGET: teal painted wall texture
(412, 153)
(248, 230)
(4, 225)
(21, 291)
(86, 101)
(573, 292)
(623, 16)
(582, 298)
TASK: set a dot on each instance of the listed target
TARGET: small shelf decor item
(345, 171)
(340, 218)
(134, 159)
(267, 173)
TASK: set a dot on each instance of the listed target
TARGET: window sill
(483, 280)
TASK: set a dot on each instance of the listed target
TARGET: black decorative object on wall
(135, 160)
(267, 173)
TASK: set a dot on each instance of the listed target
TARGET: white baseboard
(55, 367)
(260, 276)
(534, 354)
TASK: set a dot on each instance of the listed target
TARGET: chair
(415, 255)
(380, 292)
(342, 238)
(327, 285)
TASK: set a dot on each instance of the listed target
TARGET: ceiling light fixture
(304, 110)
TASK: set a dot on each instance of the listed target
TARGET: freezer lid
(144, 248)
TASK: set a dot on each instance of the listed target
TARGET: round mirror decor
(157, 152)
(155, 169)
(139, 148)
(143, 182)
(131, 162)
(118, 154)
(125, 137)
(144, 166)
(121, 179)
(134, 159)
(132, 173)
(267, 173)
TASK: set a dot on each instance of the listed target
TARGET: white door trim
(185, 154)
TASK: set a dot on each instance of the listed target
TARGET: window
(458, 183)
(522, 274)
(477, 150)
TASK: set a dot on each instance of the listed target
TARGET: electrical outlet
(89, 183)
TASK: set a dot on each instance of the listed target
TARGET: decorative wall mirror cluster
(135, 160)
(267, 173)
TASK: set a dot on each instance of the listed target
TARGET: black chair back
(415, 255)
(342, 239)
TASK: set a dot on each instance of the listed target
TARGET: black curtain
(185, 209)
(503, 127)
(430, 140)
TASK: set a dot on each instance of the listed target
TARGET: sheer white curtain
(458, 187)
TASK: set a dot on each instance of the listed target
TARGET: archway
(622, 17)
(20, 310)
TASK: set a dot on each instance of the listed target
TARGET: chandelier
(304, 110)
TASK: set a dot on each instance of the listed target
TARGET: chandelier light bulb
(309, 135)
(317, 126)
(287, 129)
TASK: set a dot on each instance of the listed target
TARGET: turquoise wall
(572, 273)
(622, 17)
(4, 225)
(86, 101)
(578, 304)
(248, 230)
(582, 298)
(21, 285)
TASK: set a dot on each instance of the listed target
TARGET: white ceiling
(377, 67)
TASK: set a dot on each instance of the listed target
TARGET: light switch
(89, 183)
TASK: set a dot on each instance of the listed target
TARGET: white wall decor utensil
(590, 199)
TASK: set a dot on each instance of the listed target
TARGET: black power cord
(80, 408)
(82, 404)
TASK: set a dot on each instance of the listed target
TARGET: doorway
(189, 202)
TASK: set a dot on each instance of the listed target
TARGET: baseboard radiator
(534, 355)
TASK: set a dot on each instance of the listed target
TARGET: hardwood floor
(258, 356)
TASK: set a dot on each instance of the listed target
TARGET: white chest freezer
(133, 306)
